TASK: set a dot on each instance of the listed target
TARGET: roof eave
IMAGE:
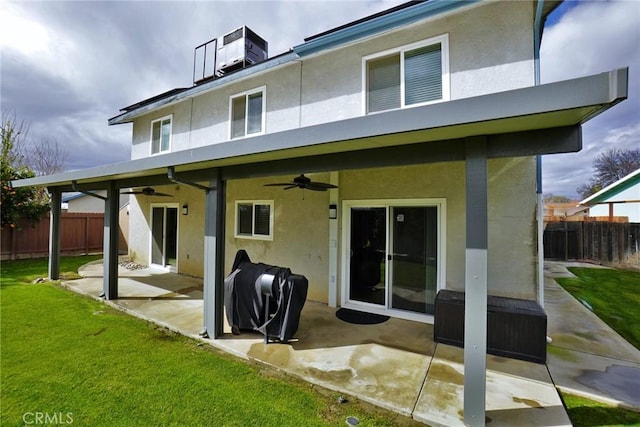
(611, 190)
(380, 24)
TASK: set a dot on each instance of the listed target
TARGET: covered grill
(263, 298)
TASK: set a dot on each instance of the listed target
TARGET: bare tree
(610, 167)
(46, 156)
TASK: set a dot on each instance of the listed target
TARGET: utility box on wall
(515, 328)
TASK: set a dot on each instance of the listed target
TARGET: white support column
(475, 313)
(54, 233)
(213, 295)
(110, 246)
(333, 242)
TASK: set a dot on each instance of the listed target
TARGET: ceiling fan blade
(279, 184)
(320, 186)
(303, 182)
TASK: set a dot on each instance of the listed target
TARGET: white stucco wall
(490, 50)
(191, 227)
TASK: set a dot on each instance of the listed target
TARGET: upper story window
(247, 113)
(254, 219)
(416, 74)
(161, 135)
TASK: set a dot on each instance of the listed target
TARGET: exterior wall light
(185, 209)
(333, 211)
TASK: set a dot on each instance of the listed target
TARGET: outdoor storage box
(516, 328)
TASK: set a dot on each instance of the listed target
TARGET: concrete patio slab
(518, 392)
(395, 364)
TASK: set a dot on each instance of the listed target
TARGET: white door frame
(164, 205)
(439, 203)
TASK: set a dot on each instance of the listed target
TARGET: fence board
(81, 233)
(597, 241)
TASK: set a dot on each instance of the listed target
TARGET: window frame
(160, 120)
(253, 235)
(246, 94)
(442, 39)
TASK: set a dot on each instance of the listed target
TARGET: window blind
(262, 220)
(423, 74)
(383, 78)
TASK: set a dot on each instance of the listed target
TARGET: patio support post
(110, 246)
(54, 233)
(475, 312)
(213, 292)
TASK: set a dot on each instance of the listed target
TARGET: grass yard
(614, 296)
(76, 360)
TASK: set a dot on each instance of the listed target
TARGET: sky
(66, 67)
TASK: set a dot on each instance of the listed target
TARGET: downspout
(537, 40)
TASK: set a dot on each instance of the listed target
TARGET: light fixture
(333, 211)
(185, 209)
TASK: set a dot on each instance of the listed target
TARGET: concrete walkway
(396, 364)
(586, 357)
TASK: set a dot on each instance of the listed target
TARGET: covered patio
(395, 365)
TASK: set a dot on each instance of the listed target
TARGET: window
(413, 75)
(161, 135)
(254, 219)
(247, 113)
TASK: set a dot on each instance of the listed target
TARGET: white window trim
(170, 117)
(254, 236)
(446, 89)
(440, 204)
(261, 89)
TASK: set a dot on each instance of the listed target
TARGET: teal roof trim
(614, 189)
(383, 23)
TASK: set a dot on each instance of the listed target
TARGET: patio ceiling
(542, 119)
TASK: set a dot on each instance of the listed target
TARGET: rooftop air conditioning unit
(239, 49)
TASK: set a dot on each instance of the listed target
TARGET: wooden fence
(597, 241)
(81, 233)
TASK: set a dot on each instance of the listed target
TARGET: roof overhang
(609, 191)
(535, 120)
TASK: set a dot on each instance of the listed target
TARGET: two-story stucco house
(422, 123)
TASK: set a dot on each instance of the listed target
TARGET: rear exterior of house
(398, 233)
(424, 120)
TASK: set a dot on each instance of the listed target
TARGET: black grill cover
(244, 302)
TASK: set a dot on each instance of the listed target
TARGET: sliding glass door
(394, 260)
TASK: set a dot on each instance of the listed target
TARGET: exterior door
(164, 236)
(394, 264)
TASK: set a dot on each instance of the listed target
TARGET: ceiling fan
(147, 191)
(303, 182)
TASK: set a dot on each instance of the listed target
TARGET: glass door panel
(171, 244)
(368, 255)
(413, 266)
(157, 236)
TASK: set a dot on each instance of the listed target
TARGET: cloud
(68, 66)
(590, 38)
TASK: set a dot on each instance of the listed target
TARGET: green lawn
(614, 296)
(67, 356)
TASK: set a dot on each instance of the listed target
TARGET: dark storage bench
(516, 328)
